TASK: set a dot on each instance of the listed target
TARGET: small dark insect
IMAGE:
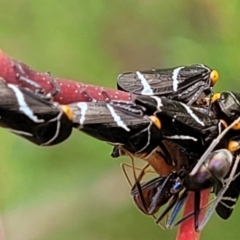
(219, 168)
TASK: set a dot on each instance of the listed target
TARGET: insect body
(31, 116)
(186, 83)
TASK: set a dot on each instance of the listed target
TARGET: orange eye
(214, 76)
(215, 97)
(68, 111)
(233, 146)
(156, 121)
(236, 126)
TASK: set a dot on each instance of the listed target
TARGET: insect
(186, 83)
(121, 124)
(33, 116)
(172, 190)
(151, 195)
(188, 127)
(219, 171)
(226, 105)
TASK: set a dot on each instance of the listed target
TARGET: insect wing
(226, 204)
(186, 83)
(28, 115)
(221, 194)
(116, 124)
(180, 123)
(155, 193)
(228, 105)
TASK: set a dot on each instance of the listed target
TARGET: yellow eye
(233, 146)
(236, 126)
(214, 76)
(68, 111)
(215, 97)
(156, 121)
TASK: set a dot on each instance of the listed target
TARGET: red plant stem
(186, 230)
(70, 91)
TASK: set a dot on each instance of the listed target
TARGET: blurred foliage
(75, 190)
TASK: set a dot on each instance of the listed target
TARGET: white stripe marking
(146, 87)
(229, 199)
(234, 200)
(57, 129)
(194, 116)
(182, 137)
(83, 106)
(175, 78)
(19, 132)
(159, 102)
(23, 105)
(117, 118)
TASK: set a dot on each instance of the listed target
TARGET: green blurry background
(75, 190)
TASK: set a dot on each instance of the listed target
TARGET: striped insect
(33, 116)
(192, 129)
(186, 83)
(120, 124)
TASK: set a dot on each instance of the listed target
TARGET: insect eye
(233, 146)
(156, 121)
(215, 97)
(214, 76)
(236, 126)
(68, 111)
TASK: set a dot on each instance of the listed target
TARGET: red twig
(186, 230)
(70, 91)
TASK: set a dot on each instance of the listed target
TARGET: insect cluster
(170, 118)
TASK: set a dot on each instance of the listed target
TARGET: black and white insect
(33, 116)
(190, 128)
(121, 124)
(186, 83)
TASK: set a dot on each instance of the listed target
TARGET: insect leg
(170, 223)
